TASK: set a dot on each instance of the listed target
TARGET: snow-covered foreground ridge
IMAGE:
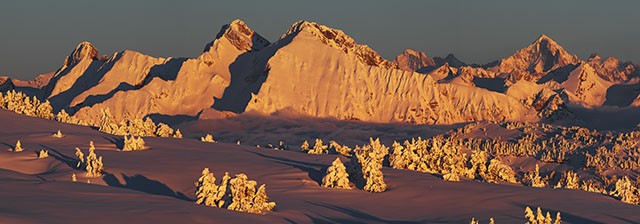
(317, 71)
(160, 179)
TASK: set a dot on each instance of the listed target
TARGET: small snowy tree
(569, 180)
(177, 134)
(533, 178)
(340, 149)
(206, 189)
(207, 138)
(261, 203)
(58, 134)
(319, 148)
(18, 147)
(337, 176)
(43, 154)
(305, 146)
(163, 130)
(93, 163)
(539, 218)
(63, 116)
(498, 171)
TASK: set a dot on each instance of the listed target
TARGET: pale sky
(36, 35)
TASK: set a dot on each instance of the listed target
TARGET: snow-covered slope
(543, 55)
(334, 82)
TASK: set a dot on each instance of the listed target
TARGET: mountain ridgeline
(317, 71)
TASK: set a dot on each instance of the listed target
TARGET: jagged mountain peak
(451, 60)
(84, 50)
(413, 60)
(543, 55)
(338, 39)
(240, 36)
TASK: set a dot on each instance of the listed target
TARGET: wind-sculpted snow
(327, 82)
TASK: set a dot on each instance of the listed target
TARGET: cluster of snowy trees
(365, 169)
(133, 143)
(208, 138)
(42, 154)
(21, 103)
(92, 163)
(440, 155)
(135, 127)
(540, 218)
(532, 218)
(238, 193)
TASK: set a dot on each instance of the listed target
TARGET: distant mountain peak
(543, 55)
(84, 50)
(412, 60)
(241, 36)
(338, 39)
(451, 60)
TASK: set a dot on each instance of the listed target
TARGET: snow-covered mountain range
(314, 70)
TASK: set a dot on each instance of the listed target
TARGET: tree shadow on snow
(119, 142)
(72, 162)
(352, 213)
(143, 184)
(315, 171)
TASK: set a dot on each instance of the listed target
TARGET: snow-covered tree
(305, 146)
(164, 131)
(540, 218)
(243, 191)
(43, 154)
(92, 163)
(534, 179)
(367, 164)
(206, 189)
(319, 148)
(498, 171)
(177, 134)
(337, 176)
(18, 147)
(63, 116)
(58, 134)
(261, 203)
(626, 191)
(133, 143)
(569, 180)
(207, 138)
(340, 149)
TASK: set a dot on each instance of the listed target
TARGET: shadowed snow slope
(158, 183)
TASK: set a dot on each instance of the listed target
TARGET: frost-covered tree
(43, 154)
(340, 149)
(305, 146)
(164, 131)
(337, 176)
(498, 171)
(92, 163)
(18, 147)
(74, 178)
(207, 138)
(533, 178)
(261, 203)
(569, 180)
(477, 164)
(626, 191)
(63, 116)
(58, 134)
(319, 148)
(540, 218)
(367, 164)
(206, 189)
(133, 143)
(238, 194)
(242, 192)
(177, 134)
